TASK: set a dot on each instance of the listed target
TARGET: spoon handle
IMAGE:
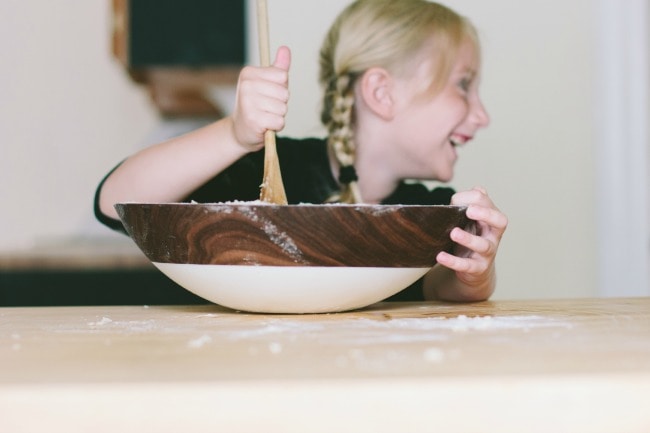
(272, 188)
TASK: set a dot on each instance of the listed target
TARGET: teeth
(455, 143)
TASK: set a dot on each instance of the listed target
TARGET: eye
(465, 83)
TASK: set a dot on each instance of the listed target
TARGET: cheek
(458, 109)
(432, 121)
(447, 114)
(441, 123)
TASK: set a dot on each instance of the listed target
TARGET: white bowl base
(291, 289)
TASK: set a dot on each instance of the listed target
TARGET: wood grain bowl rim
(416, 238)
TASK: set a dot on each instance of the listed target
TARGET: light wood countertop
(565, 365)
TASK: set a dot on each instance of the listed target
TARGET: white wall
(623, 133)
(68, 113)
(537, 157)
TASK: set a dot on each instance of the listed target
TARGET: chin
(445, 177)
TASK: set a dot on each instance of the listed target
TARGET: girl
(400, 81)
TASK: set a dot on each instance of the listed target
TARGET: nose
(479, 114)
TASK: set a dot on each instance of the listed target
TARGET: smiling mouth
(458, 141)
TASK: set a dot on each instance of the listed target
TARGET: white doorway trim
(622, 96)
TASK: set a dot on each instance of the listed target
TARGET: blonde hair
(387, 34)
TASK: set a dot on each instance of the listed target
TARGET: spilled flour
(199, 342)
(369, 331)
(358, 330)
(369, 344)
(103, 321)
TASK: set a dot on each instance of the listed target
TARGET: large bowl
(259, 257)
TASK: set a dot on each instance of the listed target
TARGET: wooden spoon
(272, 189)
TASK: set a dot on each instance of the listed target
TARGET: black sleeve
(304, 164)
(413, 293)
(109, 222)
(240, 181)
(419, 194)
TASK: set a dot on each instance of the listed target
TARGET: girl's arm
(469, 275)
(171, 170)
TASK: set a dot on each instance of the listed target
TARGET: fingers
(283, 58)
(462, 265)
(473, 243)
(273, 82)
(259, 84)
(490, 216)
(262, 100)
(263, 103)
(480, 189)
(476, 195)
(480, 208)
(475, 252)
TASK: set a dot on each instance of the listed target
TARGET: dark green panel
(91, 287)
(192, 33)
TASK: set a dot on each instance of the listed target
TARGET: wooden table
(546, 366)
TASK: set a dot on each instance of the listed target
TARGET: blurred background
(566, 156)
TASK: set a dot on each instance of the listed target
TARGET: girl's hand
(473, 261)
(262, 100)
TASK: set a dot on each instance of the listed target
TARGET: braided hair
(338, 116)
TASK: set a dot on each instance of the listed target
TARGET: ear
(376, 87)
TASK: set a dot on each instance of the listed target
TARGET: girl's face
(428, 129)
